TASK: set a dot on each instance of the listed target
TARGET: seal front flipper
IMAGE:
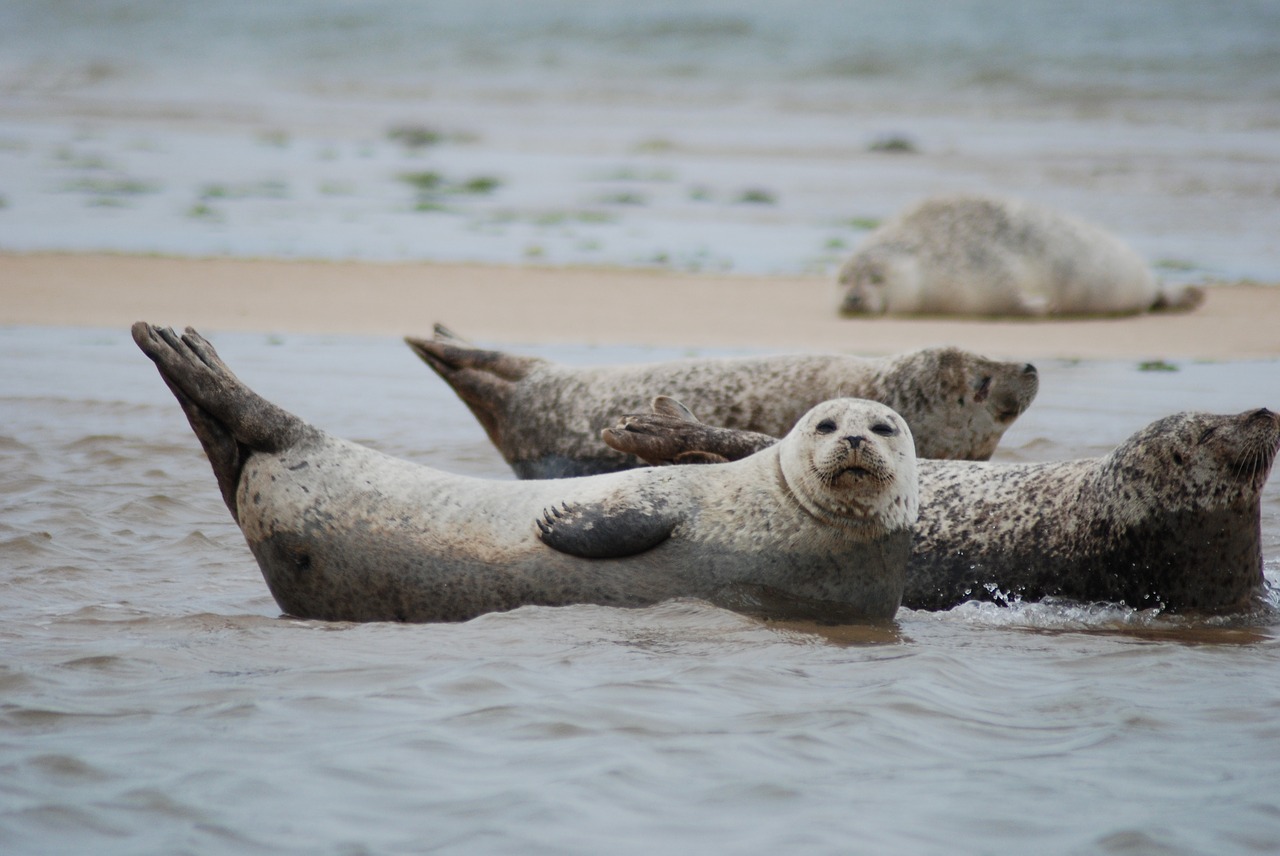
(671, 434)
(609, 529)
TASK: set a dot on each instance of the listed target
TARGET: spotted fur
(546, 419)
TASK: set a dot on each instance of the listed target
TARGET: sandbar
(546, 305)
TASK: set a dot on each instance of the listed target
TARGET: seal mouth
(858, 472)
(1259, 453)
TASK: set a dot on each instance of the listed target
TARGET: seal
(546, 418)
(818, 526)
(982, 255)
(1169, 519)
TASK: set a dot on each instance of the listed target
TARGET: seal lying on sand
(1170, 518)
(818, 526)
(978, 255)
(546, 419)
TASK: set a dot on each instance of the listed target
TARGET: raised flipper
(607, 530)
(671, 434)
(230, 420)
(483, 379)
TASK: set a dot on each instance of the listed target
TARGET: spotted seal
(983, 255)
(1170, 518)
(546, 418)
(818, 526)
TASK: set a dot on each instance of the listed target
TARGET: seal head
(853, 466)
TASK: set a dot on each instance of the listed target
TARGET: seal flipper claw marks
(483, 379)
(230, 420)
(606, 530)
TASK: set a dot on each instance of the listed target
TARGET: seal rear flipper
(484, 380)
(441, 333)
(448, 352)
(606, 530)
(230, 420)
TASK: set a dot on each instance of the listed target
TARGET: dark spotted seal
(1170, 518)
(980, 255)
(817, 526)
(546, 419)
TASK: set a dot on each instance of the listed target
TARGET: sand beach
(529, 304)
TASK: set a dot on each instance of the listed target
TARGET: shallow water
(153, 701)
(710, 135)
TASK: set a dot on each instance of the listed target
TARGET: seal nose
(855, 441)
(1262, 414)
(1029, 369)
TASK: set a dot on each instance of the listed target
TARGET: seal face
(546, 419)
(981, 255)
(853, 467)
(1171, 518)
(816, 526)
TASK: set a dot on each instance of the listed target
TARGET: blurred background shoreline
(740, 137)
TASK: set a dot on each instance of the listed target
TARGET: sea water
(154, 700)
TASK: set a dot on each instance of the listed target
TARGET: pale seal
(980, 255)
(1170, 518)
(546, 418)
(818, 526)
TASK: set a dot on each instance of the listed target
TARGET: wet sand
(531, 304)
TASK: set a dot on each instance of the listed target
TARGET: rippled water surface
(152, 700)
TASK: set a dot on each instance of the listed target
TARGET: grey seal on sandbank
(546, 418)
(990, 256)
(1170, 518)
(818, 526)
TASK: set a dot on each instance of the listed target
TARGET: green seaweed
(275, 138)
(480, 185)
(415, 136)
(899, 144)
(757, 196)
(266, 189)
(111, 186)
(654, 146)
(426, 180)
(624, 197)
(204, 211)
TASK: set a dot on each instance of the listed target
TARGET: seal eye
(1208, 432)
(884, 429)
(826, 426)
